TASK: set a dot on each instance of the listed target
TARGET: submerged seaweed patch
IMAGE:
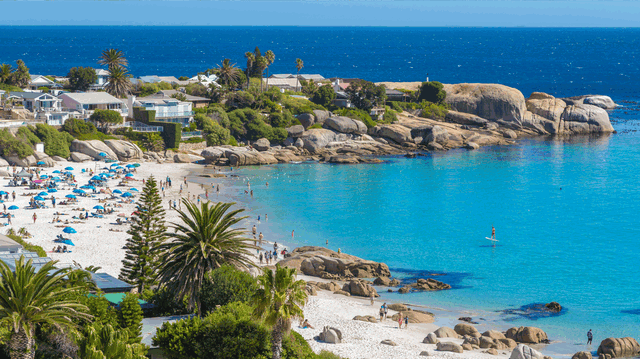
(408, 276)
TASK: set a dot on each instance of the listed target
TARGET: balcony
(168, 114)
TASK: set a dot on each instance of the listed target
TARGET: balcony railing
(141, 127)
(173, 114)
(191, 134)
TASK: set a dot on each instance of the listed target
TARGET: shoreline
(444, 316)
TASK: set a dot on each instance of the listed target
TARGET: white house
(167, 109)
(45, 106)
(103, 78)
(38, 81)
(86, 103)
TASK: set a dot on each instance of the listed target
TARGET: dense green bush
(28, 246)
(240, 99)
(365, 95)
(217, 135)
(324, 96)
(357, 114)
(218, 113)
(14, 146)
(149, 89)
(239, 118)
(171, 133)
(81, 78)
(56, 143)
(130, 317)
(77, 127)
(179, 340)
(225, 285)
(389, 116)
(164, 303)
(106, 118)
(433, 111)
(28, 134)
(284, 119)
(299, 105)
(196, 89)
(432, 91)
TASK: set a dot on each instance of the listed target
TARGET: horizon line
(333, 26)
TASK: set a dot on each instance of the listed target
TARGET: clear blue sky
(558, 13)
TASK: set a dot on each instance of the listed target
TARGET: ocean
(565, 210)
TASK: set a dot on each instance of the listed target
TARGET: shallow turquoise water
(566, 216)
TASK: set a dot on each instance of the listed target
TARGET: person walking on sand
(35, 217)
(589, 337)
(386, 310)
(406, 321)
(381, 312)
(260, 258)
(371, 298)
(399, 320)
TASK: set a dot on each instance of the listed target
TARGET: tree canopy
(432, 91)
(81, 78)
(365, 95)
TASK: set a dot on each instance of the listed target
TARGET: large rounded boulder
(618, 348)
(466, 329)
(395, 132)
(317, 138)
(93, 148)
(527, 335)
(125, 150)
(306, 119)
(489, 101)
(446, 332)
(344, 124)
(579, 119)
(525, 352)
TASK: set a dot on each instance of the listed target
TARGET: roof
(190, 98)
(393, 92)
(29, 95)
(282, 82)
(150, 79)
(110, 284)
(8, 245)
(40, 77)
(158, 100)
(169, 79)
(10, 259)
(92, 97)
(281, 76)
(315, 77)
(101, 72)
(151, 325)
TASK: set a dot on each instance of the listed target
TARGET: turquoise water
(565, 214)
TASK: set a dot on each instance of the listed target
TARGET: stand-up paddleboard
(491, 239)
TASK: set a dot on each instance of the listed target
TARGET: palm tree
(250, 60)
(113, 58)
(299, 66)
(118, 84)
(278, 301)
(261, 64)
(228, 73)
(107, 342)
(5, 73)
(271, 57)
(203, 242)
(29, 298)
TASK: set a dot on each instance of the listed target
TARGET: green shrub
(315, 125)
(81, 78)
(357, 114)
(130, 317)
(389, 116)
(219, 114)
(106, 118)
(328, 355)
(239, 119)
(232, 141)
(396, 106)
(56, 143)
(76, 127)
(240, 99)
(18, 146)
(217, 135)
(225, 285)
(324, 96)
(164, 303)
(196, 89)
(179, 339)
(283, 120)
(298, 105)
(28, 246)
(433, 111)
(432, 91)
(171, 133)
(27, 133)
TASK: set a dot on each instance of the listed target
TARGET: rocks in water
(212, 154)
(525, 352)
(394, 283)
(80, 157)
(384, 281)
(344, 124)
(262, 144)
(618, 348)
(437, 135)
(395, 132)
(93, 148)
(330, 335)
(472, 146)
(306, 119)
(449, 347)
(430, 284)
(489, 101)
(467, 319)
(446, 332)
(360, 288)
(344, 159)
(243, 156)
(398, 307)
(389, 342)
(295, 131)
(554, 306)
(317, 138)
(404, 290)
(466, 329)
(583, 118)
(527, 335)
(125, 150)
(549, 111)
(604, 102)
(582, 355)
(325, 263)
(366, 318)
(431, 338)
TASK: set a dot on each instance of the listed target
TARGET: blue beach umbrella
(70, 196)
(79, 191)
(68, 168)
(129, 175)
(112, 170)
(67, 242)
(38, 198)
(98, 207)
(113, 165)
(40, 163)
(69, 230)
(129, 165)
(85, 187)
(42, 193)
(136, 165)
(44, 176)
(96, 178)
(52, 190)
(117, 191)
(102, 154)
(127, 194)
(13, 207)
(134, 189)
(56, 171)
(3, 193)
(91, 187)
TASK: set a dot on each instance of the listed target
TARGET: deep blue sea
(566, 211)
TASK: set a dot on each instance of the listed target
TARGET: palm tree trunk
(22, 346)
(267, 87)
(297, 80)
(276, 341)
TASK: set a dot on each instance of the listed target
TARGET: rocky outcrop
(262, 145)
(93, 148)
(383, 281)
(306, 120)
(446, 332)
(125, 150)
(80, 157)
(325, 263)
(466, 329)
(489, 101)
(493, 334)
(317, 138)
(604, 102)
(243, 156)
(438, 135)
(295, 131)
(462, 118)
(28, 161)
(321, 115)
(389, 342)
(360, 288)
(618, 348)
(525, 352)
(554, 307)
(582, 355)
(3, 162)
(212, 154)
(527, 335)
(185, 158)
(43, 157)
(431, 338)
(582, 119)
(366, 318)
(330, 335)
(415, 316)
(430, 284)
(449, 347)
(397, 133)
(398, 307)
(344, 124)
(58, 158)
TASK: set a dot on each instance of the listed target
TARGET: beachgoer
(267, 184)
(260, 258)
(169, 204)
(258, 218)
(400, 320)
(306, 325)
(13, 194)
(292, 234)
(406, 322)
(275, 245)
(254, 229)
(381, 313)
(265, 217)
(493, 232)
(35, 217)
(251, 193)
(386, 310)
(261, 237)
(589, 337)
(327, 242)
(372, 298)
